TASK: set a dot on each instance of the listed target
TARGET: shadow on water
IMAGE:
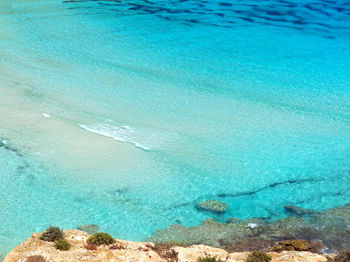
(322, 17)
(5, 144)
(245, 193)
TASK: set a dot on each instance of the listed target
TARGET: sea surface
(127, 113)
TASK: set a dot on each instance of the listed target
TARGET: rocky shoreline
(35, 249)
(304, 236)
(330, 228)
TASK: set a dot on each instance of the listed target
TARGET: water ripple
(318, 17)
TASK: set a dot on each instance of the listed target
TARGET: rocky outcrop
(330, 227)
(296, 245)
(212, 206)
(36, 250)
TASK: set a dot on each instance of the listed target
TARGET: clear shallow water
(127, 114)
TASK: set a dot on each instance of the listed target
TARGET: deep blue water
(127, 113)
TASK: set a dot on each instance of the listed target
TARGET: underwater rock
(298, 210)
(210, 232)
(338, 214)
(238, 235)
(342, 257)
(91, 229)
(232, 220)
(246, 244)
(290, 228)
(212, 206)
(332, 227)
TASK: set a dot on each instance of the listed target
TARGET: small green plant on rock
(172, 255)
(101, 239)
(52, 234)
(208, 259)
(258, 256)
(62, 245)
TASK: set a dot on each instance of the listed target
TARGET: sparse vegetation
(52, 234)
(172, 255)
(258, 256)
(90, 246)
(117, 246)
(101, 239)
(208, 259)
(62, 245)
(165, 250)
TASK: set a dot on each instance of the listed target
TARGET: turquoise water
(126, 114)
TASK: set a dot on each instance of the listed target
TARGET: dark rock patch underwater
(330, 227)
(7, 146)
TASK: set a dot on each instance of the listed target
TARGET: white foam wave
(122, 133)
(45, 115)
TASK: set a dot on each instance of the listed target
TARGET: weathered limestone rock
(213, 206)
(293, 245)
(298, 245)
(35, 259)
(35, 250)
